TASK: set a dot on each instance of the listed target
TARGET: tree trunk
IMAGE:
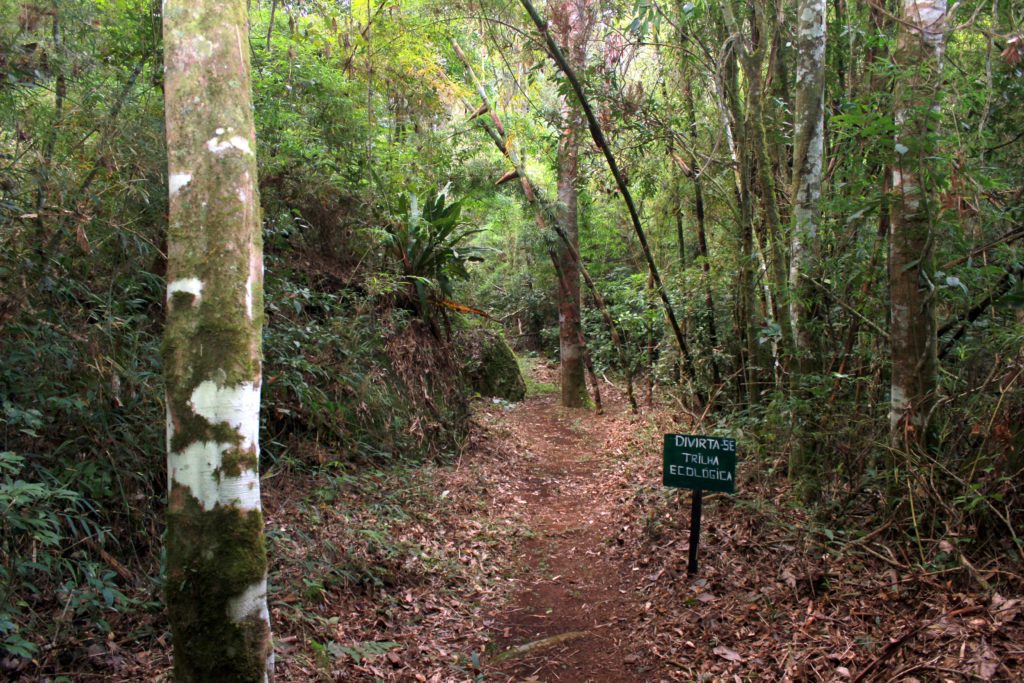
(568, 295)
(911, 264)
(573, 20)
(743, 316)
(60, 94)
(545, 219)
(702, 240)
(216, 556)
(752, 55)
(808, 149)
(597, 134)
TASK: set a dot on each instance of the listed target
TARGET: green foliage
(332, 381)
(38, 520)
(430, 242)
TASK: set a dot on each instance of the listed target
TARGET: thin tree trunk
(702, 241)
(808, 150)
(911, 263)
(598, 135)
(752, 59)
(732, 115)
(60, 94)
(216, 586)
(270, 24)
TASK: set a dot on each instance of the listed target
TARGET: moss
(213, 556)
(237, 461)
(182, 299)
(492, 366)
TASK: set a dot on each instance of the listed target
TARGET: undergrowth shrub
(958, 504)
(347, 377)
(80, 422)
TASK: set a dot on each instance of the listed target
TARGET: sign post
(699, 463)
(698, 499)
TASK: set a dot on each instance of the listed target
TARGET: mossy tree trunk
(914, 209)
(216, 556)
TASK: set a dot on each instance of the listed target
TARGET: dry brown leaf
(727, 653)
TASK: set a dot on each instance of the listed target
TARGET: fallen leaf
(987, 663)
(727, 653)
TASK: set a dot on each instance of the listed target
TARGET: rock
(491, 365)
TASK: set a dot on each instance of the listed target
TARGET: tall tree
(702, 240)
(731, 114)
(216, 556)
(808, 149)
(752, 52)
(597, 135)
(914, 209)
(573, 21)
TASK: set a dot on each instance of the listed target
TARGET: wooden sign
(700, 462)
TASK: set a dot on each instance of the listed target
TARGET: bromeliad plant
(429, 239)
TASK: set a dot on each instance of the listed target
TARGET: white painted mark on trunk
(237, 406)
(176, 181)
(198, 469)
(218, 146)
(187, 285)
(251, 603)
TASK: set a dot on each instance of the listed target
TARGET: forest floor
(566, 562)
(549, 552)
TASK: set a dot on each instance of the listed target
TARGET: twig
(896, 644)
(825, 288)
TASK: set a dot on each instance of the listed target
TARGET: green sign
(700, 462)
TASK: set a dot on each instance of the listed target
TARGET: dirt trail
(573, 611)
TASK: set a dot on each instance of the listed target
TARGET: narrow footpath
(570, 619)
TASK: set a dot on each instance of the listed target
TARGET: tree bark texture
(914, 209)
(572, 20)
(216, 556)
(808, 150)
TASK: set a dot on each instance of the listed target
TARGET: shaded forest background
(369, 153)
